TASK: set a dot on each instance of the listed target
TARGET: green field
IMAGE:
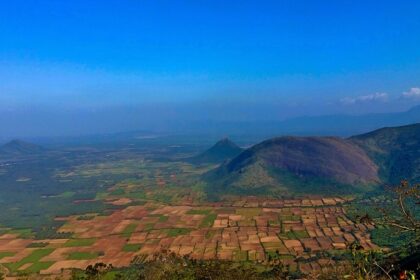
(33, 258)
(131, 247)
(82, 255)
(6, 254)
(177, 231)
(129, 230)
(208, 220)
(80, 242)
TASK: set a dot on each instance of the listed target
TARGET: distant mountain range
(245, 132)
(346, 125)
(286, 165)
(326, 125)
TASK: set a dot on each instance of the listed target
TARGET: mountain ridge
(223, 150)
(292, 164)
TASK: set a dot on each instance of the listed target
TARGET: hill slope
(19, 148)
(221, 151)
(396, 150)
(296, 164)
(322, 164)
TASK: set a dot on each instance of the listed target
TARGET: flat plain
(149, 206)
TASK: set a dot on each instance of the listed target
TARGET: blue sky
(323, 56)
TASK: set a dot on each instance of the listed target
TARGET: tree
(404, 218)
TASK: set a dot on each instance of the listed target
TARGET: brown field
(244, 229)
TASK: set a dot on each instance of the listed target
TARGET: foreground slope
(396, 150)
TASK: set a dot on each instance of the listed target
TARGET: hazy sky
(213, 59)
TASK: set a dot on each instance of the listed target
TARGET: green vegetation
(6, 254)
(37, 267)
(164, 267)
(248, 213)
(177, 231)
(298, 234)
(208, 220)
(81, 242)
(322, 165)
(149, 227)
(67, 194)
(138, 194)
(132, 247)
(387, 237)
(223, 150)
(395, 150)
(289, 218)
(22, 233)
(86, 217)
(101, 195)
(210, 234)
(37, 245)
(129, 230)
(79, 184)
(82, 255)
(240, 255)
(162, 197)
(34, 258)
(162, 218)
(118, 192)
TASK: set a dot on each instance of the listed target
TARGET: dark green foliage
(37, 245)
(34, 203)
(96, 271)
(171, 267)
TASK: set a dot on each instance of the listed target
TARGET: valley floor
(303, 233)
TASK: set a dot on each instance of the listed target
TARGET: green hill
(223, 150)
(287, 165)
(19, 148)
(319, 165)
(396, 150)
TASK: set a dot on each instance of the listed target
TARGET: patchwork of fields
(246, 228)
(109, 207)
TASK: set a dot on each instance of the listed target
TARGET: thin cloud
(413, 93)
(375, 97)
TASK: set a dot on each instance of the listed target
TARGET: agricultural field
(246, 230)
(113, 206)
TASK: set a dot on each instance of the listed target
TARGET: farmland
(112, 207)
(249, 229)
